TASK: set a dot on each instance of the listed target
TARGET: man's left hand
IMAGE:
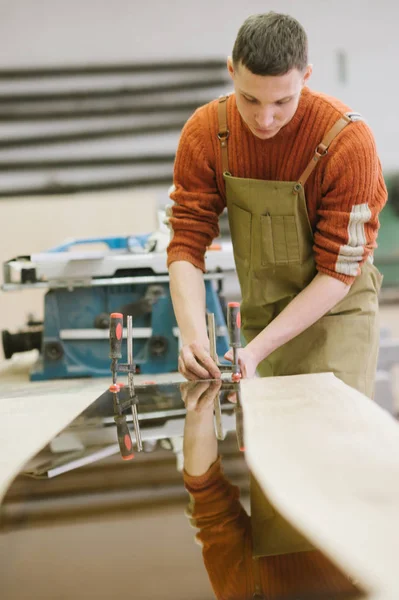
(246, 361)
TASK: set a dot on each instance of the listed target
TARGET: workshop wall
(353, 48)
(353, 43)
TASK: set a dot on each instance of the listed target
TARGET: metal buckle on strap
(223, 135)
(354, 116)
(321, 151)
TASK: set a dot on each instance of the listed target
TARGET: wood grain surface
(327, 457)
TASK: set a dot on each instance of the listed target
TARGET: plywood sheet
(328, 458)
(29, 421)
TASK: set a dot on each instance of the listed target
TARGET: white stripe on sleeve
(352, 253)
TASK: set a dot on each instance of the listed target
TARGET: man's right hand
(195, 362)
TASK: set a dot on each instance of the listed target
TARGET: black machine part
(158, 345)
(53, 351)
(144, 305)
(22, 341)
(135, 309)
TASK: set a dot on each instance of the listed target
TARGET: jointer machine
(84, 286)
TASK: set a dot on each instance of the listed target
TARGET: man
(303, 185)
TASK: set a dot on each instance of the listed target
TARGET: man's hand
(195, 362)
(246, 361)
(200, 396)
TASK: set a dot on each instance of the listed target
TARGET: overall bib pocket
(280, 240)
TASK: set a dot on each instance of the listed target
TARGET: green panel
(386, 256)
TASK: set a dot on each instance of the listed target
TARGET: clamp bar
(214, 356)
(132, 393)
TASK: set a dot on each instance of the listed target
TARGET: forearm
(188, 296)
(320, 296)
(200, 447)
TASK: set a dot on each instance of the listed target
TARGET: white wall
(55, 32)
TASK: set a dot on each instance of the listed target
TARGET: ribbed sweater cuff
(183, 255)
(199, 482)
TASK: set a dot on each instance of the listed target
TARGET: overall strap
(223, 132)
(322, 148)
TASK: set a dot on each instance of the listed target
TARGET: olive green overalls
(273, 250)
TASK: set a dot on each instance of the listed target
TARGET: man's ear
(230, 67)
(307, 74)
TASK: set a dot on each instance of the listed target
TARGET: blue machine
(74, 336)
(75, 331)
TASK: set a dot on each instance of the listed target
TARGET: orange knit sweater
(226, 540)
(344, 194)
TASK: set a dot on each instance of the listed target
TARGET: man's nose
(265, 118)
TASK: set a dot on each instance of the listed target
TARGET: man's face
(267, 103)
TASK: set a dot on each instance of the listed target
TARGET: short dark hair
(271, 44)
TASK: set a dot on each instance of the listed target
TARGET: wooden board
(327, 457)
(29, 421)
